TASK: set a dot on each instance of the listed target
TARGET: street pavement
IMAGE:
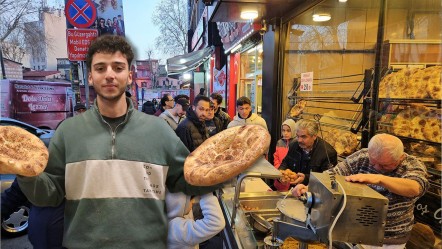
(21, 242)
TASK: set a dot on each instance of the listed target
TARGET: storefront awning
(187, 62)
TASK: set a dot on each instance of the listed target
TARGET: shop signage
(306, 82)
(80, 13)
(78, 41)
(219, 81)
(232, 33)
(198, 35)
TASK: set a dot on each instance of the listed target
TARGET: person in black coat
(192, 131)
(308, 153)
(213, 124)
(217, 99)
(45, 224)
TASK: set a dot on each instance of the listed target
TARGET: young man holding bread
(112, 163)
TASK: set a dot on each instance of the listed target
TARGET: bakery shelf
(410, 101)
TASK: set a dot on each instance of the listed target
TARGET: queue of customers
(101, 209)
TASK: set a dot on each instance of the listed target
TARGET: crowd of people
(98, 184)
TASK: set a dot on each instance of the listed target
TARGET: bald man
(392, 173)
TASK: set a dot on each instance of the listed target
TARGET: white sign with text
(306, 82)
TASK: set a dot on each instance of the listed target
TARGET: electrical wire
(330, 241)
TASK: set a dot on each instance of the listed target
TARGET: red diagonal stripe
(80, 11)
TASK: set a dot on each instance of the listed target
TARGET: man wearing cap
(177, 114)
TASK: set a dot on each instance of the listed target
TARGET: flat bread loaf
(297, 109)
(225, 155)
(21, 152)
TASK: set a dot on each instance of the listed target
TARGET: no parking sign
(80, 13)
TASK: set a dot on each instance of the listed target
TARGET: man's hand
(365, 178)
(300, 179)
(299, 190)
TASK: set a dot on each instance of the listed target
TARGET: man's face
(170, 102)
(201, 110)
(215, 104)
(211, 113)
(384, 163)
(109, 75)
(180, 111)
(305, 140)
(244, 110)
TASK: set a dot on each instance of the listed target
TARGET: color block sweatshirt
(114, 182)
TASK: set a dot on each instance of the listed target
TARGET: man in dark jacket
(192, 131)
(217, 99)
(213, 124)
(308, 153)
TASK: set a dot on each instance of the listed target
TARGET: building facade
(44, 53)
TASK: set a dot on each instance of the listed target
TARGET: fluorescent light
(249, 14)
(236, 48)
(342, 1)
(187, 76)
(321, 17)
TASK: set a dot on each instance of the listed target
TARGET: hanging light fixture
(321, 17)
(249, 14)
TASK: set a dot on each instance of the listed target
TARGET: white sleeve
(190, 232)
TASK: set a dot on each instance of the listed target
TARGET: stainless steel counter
(244, 236)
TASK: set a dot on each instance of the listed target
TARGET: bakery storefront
(368, 67)
(360, 68)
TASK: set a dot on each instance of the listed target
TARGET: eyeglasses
(170, 100)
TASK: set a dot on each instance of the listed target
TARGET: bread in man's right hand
(21, 152)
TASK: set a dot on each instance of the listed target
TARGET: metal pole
(86, 84)
(377, 69)
(2, 63)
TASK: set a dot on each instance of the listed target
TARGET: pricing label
(306, 82)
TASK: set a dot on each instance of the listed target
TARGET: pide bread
(298, 108)
(344, 142)
(225, 155)
(434, 83)
(412, 83)
(21, 152)
(432, 128)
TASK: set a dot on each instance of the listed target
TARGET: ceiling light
(342, 1)
(323, 17)
(187, 76)
(249, 14)
(236, 48)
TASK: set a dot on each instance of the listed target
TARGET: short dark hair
(198, 98)
(243, 101)
(109, 44)
(164, 99)
(217, 97)
(180, 96)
